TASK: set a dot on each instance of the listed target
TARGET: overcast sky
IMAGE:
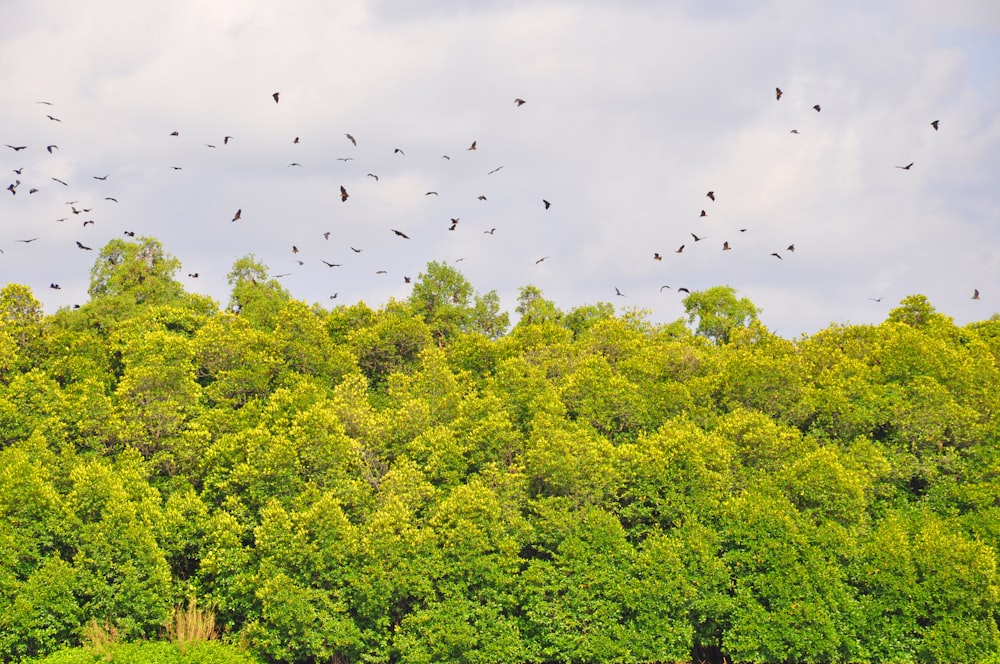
(633, 112)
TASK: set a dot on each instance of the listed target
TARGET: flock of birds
(26, 184)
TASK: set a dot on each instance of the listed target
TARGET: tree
(718, 311)
(449, 305)
(139, 268)
(533, 308)
(255, 295)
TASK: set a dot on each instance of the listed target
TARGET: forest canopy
(423, 482)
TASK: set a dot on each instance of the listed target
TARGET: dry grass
(192, 625)
(100, 638)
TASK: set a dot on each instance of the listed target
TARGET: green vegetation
(421, 483)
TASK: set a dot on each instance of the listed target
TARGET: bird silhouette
(791, 248)
(696, 238)
(372, 175)
(53, 119)
(683, 290)
(657, 257)
(817, 108)
(680, 249)
(343, 193)
(777, 93)
(334, 296)
(400, 234)
(295, 249)
(540, 260)
(27, 241)
(130, 233)
(481, 197)
(82, 246)
(275, 97)
(60, 182)
(238, 215)
(703, 214)
(777, 255)
(294, 163)
(711, 195)
(406, 280)
(935, 124)
(111, 198)
(351, 139)
(398, 151)
(546, 203)
(295, 141)
(326, 235)
(618, 292)
(89, 222)
(226, 139)
(17, 148)
(907, 167)
(50, 148)
(975, 293)
(472, 147)
(431, 193)
(55, 286)
(519, 102)
(725, 246)
(794, 131)
(175, 133)
(662, 287)
(490, 232)
(357, 251)
(101, 177)
(193, 275)
(329, 264)
(495, 170)
(877, 299)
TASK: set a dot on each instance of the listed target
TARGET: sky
(632, 113)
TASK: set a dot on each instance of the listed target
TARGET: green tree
(449, 305)
(718, 311)
(255, 295)
(140, 269)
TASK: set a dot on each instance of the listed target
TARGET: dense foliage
(422, 483)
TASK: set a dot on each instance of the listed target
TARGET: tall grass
(192, 625)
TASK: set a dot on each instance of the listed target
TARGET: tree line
(424, 482)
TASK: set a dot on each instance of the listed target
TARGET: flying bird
(683, 290)
(88, 222)
(175, 133)
(711, 195)
(111, 198)
(490, 232)
(101, 177)
(679, 249)
(60, 182)
(53, 119)
(794, 131)
(294, 163)
(472, 147)
(130, 233)
(295, 249)
(546, 203)
(935, 124)
(519, 102)
(817, 108)
(381, 272)
(975, 293)
(329, 264)
(495, 170)
(703, 214)
(400, 234)
(725, 246)
(777, 93)
(907, 167)
(481, 197)
(326, 235)
(275, 97)
(226, 139)
(82, 246)
(777, 255)
(540, 260)
(295, 141)
(357, 251)
(17, 148)
(345, 158)
(238, 215)
(618, 292)
(343, 194)
(662, 287)
(877, 299)
(334, 296)
(351, 139)
(398, 151)
(431, 193)
(406, 280)
(177, 168)
(657, 257)
(791, 248)
(55, 286)
(50, 148)
(372, 175)
(27, 241)
(193, 275)
(696, 238)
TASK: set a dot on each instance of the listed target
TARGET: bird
(130, 233)
(175, 133)
(326, 235)
(238, 215)
(60, 182)
(357, 251)
(711, 195)
(472, 147)
(18, 170)
(703, 214)
(794, 131)
(406, 279)
(907, 167)
(101, 177)
(381, 272)
(975, 293)
(111, 198)
(226, 139)
(696, 238)
(329, 264)
(683, 290)
(791, 248)
(777, 255)
(82, 246)
(55, 286)
(27, 241)
(454, 225)
(540, 260)
(399, 151)
(343, 193)
(546, 203)
(777, 93)
(17, 148)
(193, 275)
(725, 246)
(935, 124)
(47, 103)
(177, 168)
(295, 141)
(295, 249)
(334, 296)
(32, 190)
(275, 97)
(877, 299)
(519, 102)
(817, 108)
(209, 145)
(372, 175)
(345, 158)
(50, 148)
(400, 234)
(351, 139)
(679, 249)
(662, 287)
(618, 292)
(657, 257)
(88, 222)
(490, 232)
(481, 197)
(495, 170)
(431, 193)
(53, 119)
(294, 163)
